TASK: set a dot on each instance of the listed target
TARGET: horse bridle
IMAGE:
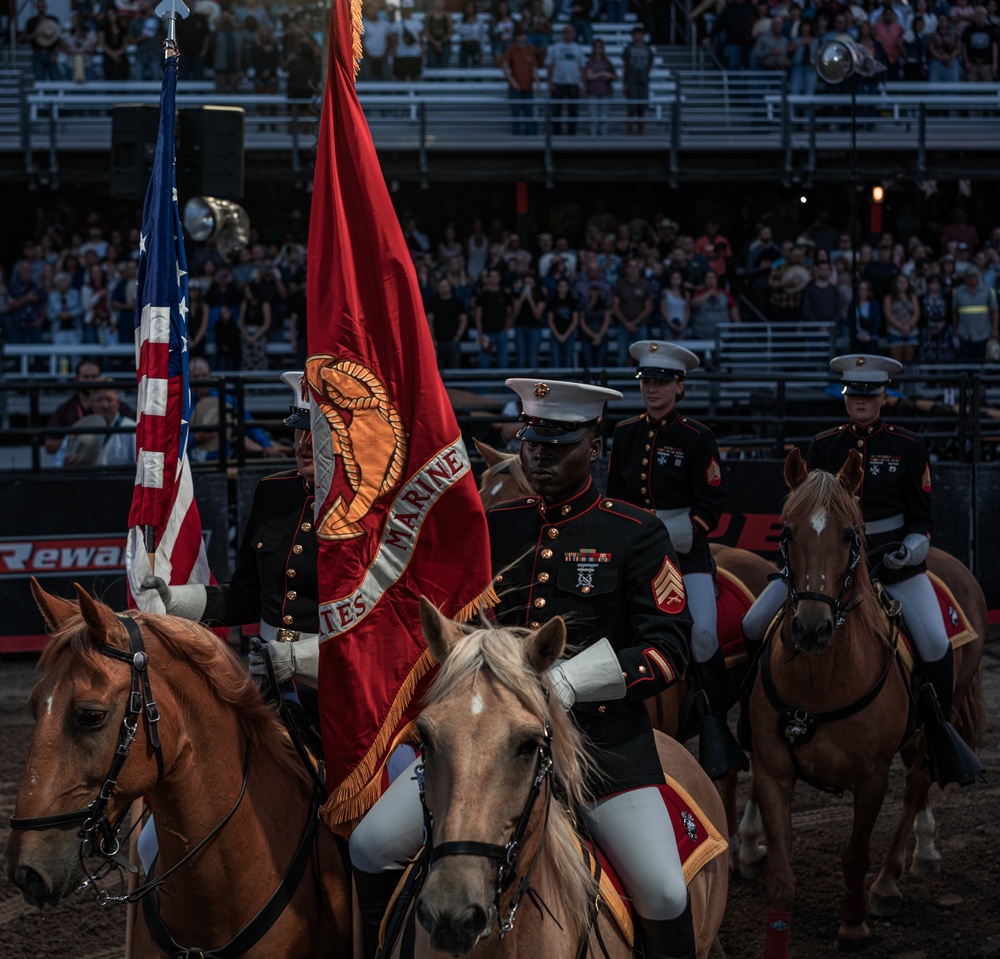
(836, 604)
(505, 856)
(98, 835)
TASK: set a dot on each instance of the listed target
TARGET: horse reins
(836, 604)
(98, 834)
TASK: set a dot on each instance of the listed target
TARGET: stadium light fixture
(208, 216)
(841, 59)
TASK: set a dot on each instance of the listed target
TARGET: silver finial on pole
(170, 10)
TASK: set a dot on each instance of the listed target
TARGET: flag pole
(168, 10)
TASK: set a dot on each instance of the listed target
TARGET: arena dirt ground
(955, 915)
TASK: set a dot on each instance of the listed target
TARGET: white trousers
(700, 591)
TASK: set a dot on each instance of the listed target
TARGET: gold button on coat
(291, 594)
(305, 527)
(539, 603)
(260, 546)
(290, 573)
(642, 670)
(297, 548)
(287, 620)
(566, 510)
(543, 577)
(534, 625)
(602, 709)
(553, 533)
(546, 554)
(584, 589)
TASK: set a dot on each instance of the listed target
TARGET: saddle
(732, 600)
(956, 623)
(698, 843)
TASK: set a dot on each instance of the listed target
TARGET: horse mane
(499, 652)
(821, 490)
(212, 662)
(510, 472)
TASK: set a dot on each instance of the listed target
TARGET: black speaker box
(210, 152)
(134, 130)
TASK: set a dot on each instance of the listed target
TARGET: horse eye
(527, 748)
(848, 536)
(90, 718)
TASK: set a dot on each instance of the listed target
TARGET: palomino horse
(503, 479)
(833, 653)
(220, 773)
(503, 771)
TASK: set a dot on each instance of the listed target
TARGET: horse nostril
(473, 924)
(425, 917)
(798, 633)
(35, 889)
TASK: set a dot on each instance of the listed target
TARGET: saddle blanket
(732, 600)
(960, 631)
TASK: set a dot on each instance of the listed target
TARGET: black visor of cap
(658, 373)
(855, 388)
(298, 418)
(554, 431)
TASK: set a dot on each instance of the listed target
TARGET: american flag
(163, 499)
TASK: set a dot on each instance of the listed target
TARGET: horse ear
(440, 633)
(489, 454)
(851, 472)
(55, 610)
(545, 645)
(795, 469)
(96, 615)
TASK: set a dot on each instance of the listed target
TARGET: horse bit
(840, 611)
(506, 856)
(98, 835)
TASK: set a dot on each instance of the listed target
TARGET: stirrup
(718, 751)
(949, 758)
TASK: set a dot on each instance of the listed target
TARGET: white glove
(298, 661)
(912, 553)
(188, 601)
(590, 676)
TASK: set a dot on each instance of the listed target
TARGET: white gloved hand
(912, 552)
(187, 601)
(282, 658)
(591, 676)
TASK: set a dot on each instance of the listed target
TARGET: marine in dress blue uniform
(669, 463)
(895, 497)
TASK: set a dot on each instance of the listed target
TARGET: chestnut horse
(504, 478)
(838, 654)
(489, 733)
(216, 765)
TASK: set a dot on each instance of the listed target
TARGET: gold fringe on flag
(356, 29)
(486, 601)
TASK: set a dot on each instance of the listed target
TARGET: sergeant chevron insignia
(713, 475)
(668, 588)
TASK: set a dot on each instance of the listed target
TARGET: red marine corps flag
(397, 511)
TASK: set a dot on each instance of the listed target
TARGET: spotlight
(840, 59)
(228, 222)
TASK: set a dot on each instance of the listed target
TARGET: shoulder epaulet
(694, 425)
(283, 475)
(901, 431)
(834, 432)
(523, 502)
(631, 421)
(620, 508)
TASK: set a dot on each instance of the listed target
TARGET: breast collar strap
(98, 834)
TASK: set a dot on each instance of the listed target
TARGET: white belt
(279, 634)
(666, 514)
(886, 525)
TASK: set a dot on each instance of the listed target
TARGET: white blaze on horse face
(818, 521)
(48, 705)
(496, 489)
(477, 704)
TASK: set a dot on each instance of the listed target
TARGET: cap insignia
(542, 390)
(860, 361)
(653, 347)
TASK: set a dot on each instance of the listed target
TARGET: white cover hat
(557, 411)
(299, 417)
(662, 359)
(863, 373)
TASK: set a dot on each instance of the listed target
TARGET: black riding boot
(949, 757)
(667, 938)
(744, 734)
(375, 889)
(718, 751)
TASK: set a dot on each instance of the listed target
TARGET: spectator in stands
(408, 59)
(112, 40)
(229, 54)
(711, 306)
(637, 64)
(449, 245)
(802, 74)
(888, 35)
(65, 312)
(962, 262)
(942, 53)
(581, 13)
(763, 241)
(843, 250)
(75, 408)
(501, 31)
(26, 305)
(979, 48)
(565, 59)
(901, 310)
(959, 230)
(631, 308)
(975, 317)
(591, 275)
(116, 448)
(538, 27)
(303, 59)
(599, 77)
(882, 272)
(595, 322)
(255, 320)
(734, 26)
(770, 51)
(123, 302)
(494, 319)
(868, 319)
(264, 58)
(787, 282)
(438, 31)
(471, 34)
(199, 327)
(79, 43)
(42, 32)
(146, 33)
(194, 38)
(715, 248)
(449, 320)
(477, 250)
(937, 336)
(675, 306)
(529, 306)
(376, 42)
(563, 320)
(821, 299)
(962, 15)
(520, 66)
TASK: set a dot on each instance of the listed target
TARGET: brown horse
(215, 764)
(837, 654)
(489, 730)
(504, 478)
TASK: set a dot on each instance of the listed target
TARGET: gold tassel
(356, 27)
(487, 600)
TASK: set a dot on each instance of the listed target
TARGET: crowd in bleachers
(495, 300)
